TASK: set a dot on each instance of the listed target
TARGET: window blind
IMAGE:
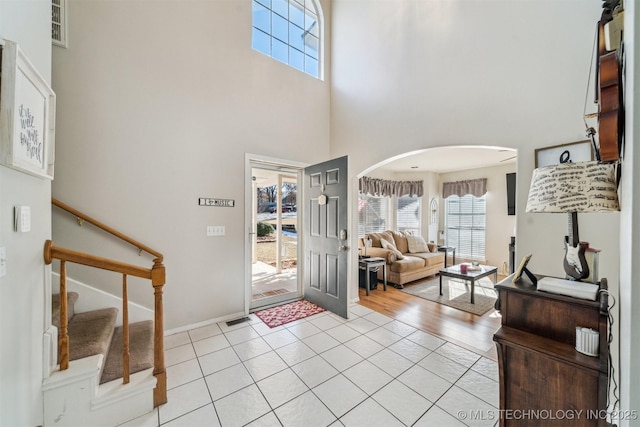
(465, 222)
(373, 214)
(408, 214)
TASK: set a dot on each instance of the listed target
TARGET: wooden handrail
(156, 274)
(84, 217)
(52, 252)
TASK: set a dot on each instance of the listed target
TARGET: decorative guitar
(575, 263)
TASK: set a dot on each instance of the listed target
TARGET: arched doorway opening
(432, 218)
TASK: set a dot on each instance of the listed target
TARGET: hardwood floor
(467, 330)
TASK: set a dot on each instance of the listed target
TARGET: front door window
(274, 263)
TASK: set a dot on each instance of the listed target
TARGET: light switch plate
(22, 218)
(3, 261)
(215, 230)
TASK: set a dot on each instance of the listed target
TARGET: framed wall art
(27, 115)
(581, 151)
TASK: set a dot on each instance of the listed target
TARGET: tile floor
(370, 370)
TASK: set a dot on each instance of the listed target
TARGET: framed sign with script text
(27, 115)
(574, 152)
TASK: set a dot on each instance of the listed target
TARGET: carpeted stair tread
(72, 297)
(140, 351)
(90, 332)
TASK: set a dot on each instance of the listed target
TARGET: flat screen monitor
(511, 193)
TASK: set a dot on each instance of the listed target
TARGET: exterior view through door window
(275, 243)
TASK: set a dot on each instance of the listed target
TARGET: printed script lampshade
(572, 188)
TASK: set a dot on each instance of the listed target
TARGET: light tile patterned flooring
(370, 370)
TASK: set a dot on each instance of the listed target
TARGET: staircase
(94, 332)
(106, 374)
(91, 391)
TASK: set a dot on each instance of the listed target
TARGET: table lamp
(574, 188)
(367, 244)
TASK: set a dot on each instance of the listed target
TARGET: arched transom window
(289, 31)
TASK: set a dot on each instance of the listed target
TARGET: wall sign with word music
(225, 203)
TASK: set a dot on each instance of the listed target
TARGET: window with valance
(465, 217)
(376, 210)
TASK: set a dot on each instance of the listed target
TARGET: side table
(372, 264)
(446, 250)
(538, 329)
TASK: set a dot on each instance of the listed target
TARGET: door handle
(343, 248)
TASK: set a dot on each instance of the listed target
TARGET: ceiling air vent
(59, 23)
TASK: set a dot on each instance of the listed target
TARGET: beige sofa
(413, 266)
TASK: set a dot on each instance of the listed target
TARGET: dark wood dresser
(544, 380)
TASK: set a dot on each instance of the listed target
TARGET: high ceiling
(451, 159)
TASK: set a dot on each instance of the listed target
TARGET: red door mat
(286, 313)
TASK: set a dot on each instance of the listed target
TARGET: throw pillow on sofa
(388, 245)
(375, 238)
(400, 241)
(417, 244)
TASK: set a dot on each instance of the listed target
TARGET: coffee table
(470, 275)
(446, 250)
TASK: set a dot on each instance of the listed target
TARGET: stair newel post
(63, 339)
(158, 278)
(125, 331)
(63, 335)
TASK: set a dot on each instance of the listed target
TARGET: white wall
(492, 73)
(158, 104)
(410, 75)
(22, 290)
(499, 225)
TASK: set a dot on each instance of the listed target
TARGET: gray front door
(326, 235)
